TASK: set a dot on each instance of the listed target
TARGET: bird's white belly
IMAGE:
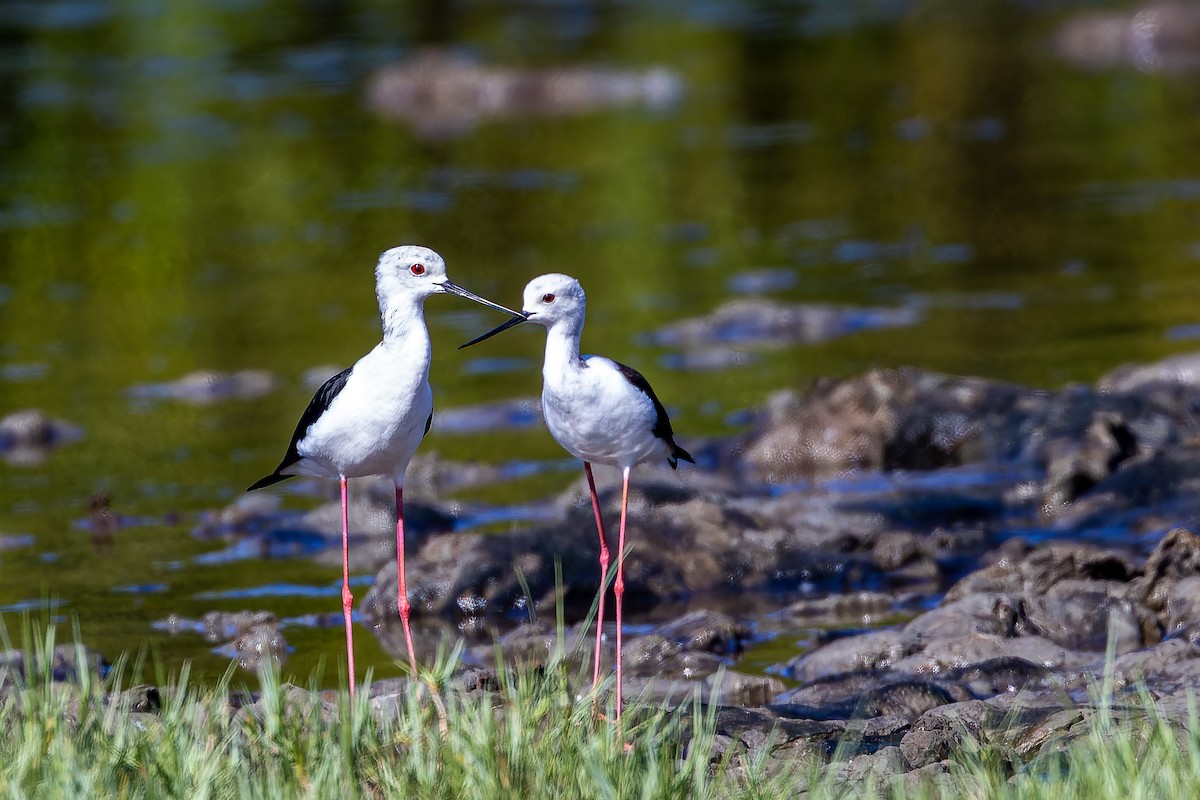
(602, 426)
(378, 436)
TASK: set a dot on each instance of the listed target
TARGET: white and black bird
(370, 418)
(599, 410)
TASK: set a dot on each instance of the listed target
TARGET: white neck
(562, 347)
(403, 317)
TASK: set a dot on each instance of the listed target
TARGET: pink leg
(619, 585)
(347, 597)
(402, 604)
(587, 469)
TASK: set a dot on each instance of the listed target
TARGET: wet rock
(939, 732)
(218, 626)
(292, 701)
(256, 527)
(723, 689)
(941, 655)
(1036, 571)
(439, 93)
(1134, 495)
(857, 607)
(1167, 668)
(259, 646)
(707, 631)
(914, 420)
(470, 575)
(141, 699)
(1176, 557)
(877, 769)
(885, 419)
(1154, 37)
(888, 695)
(208, 386)
(652, 655)
(999, 675)
(1183, 605)
(996, 614)
(756, 321)
(1180, 370)
(873, 650)
(28, 436)
(67, 664)
(1087, 620)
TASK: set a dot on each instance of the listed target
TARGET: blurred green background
(203, 185)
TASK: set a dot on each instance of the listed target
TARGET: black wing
(662, 423)
(316, 407)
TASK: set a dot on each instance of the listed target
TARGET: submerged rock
(756, 322)
(209, 386)
(439, 93)
(66, 663)
(28, 436)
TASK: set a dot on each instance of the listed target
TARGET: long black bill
(454, 288)
(501, 328)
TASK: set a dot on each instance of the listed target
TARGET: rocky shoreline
(1019, 545)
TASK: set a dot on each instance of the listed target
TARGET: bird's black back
(662, 423)
(320, 402)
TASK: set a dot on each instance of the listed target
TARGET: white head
(554, 297)
(555, 301)
(413, 272)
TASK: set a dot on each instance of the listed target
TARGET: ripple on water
(285, 590)
(40, 604)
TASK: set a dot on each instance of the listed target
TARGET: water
(202, 186)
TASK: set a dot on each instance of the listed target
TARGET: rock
(1183, 370)
(1153, 37)
(208, 386)
(1176, 557)
(28, 436)
(994, 676)
(857, 607)
(1085, 620)
(725, 688)
(873, 650)
(292, 701)
(219, 626)
(883, 420)
(707, 631)
(758, 321)
(471, 575)
(255, 526)
(141, 699)
(939, 732)
(1183, 605)
(63, 667)
(1038, 570)
(261, 645)
(439, 93)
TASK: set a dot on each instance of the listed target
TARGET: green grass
(532, 738)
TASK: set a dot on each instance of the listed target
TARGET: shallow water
(203, 187)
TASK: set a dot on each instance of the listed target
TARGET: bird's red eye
(547, 298)
(417, 269)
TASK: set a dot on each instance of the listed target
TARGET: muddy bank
(932, 546)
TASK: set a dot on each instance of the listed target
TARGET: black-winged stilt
(370, 418)
(599, 410)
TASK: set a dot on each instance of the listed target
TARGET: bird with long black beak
(599, 410)
(369, 418)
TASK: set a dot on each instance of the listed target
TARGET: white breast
(377, 421)
(598, 416)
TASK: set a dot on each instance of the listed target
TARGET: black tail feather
(679, 454)
(273, 478)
